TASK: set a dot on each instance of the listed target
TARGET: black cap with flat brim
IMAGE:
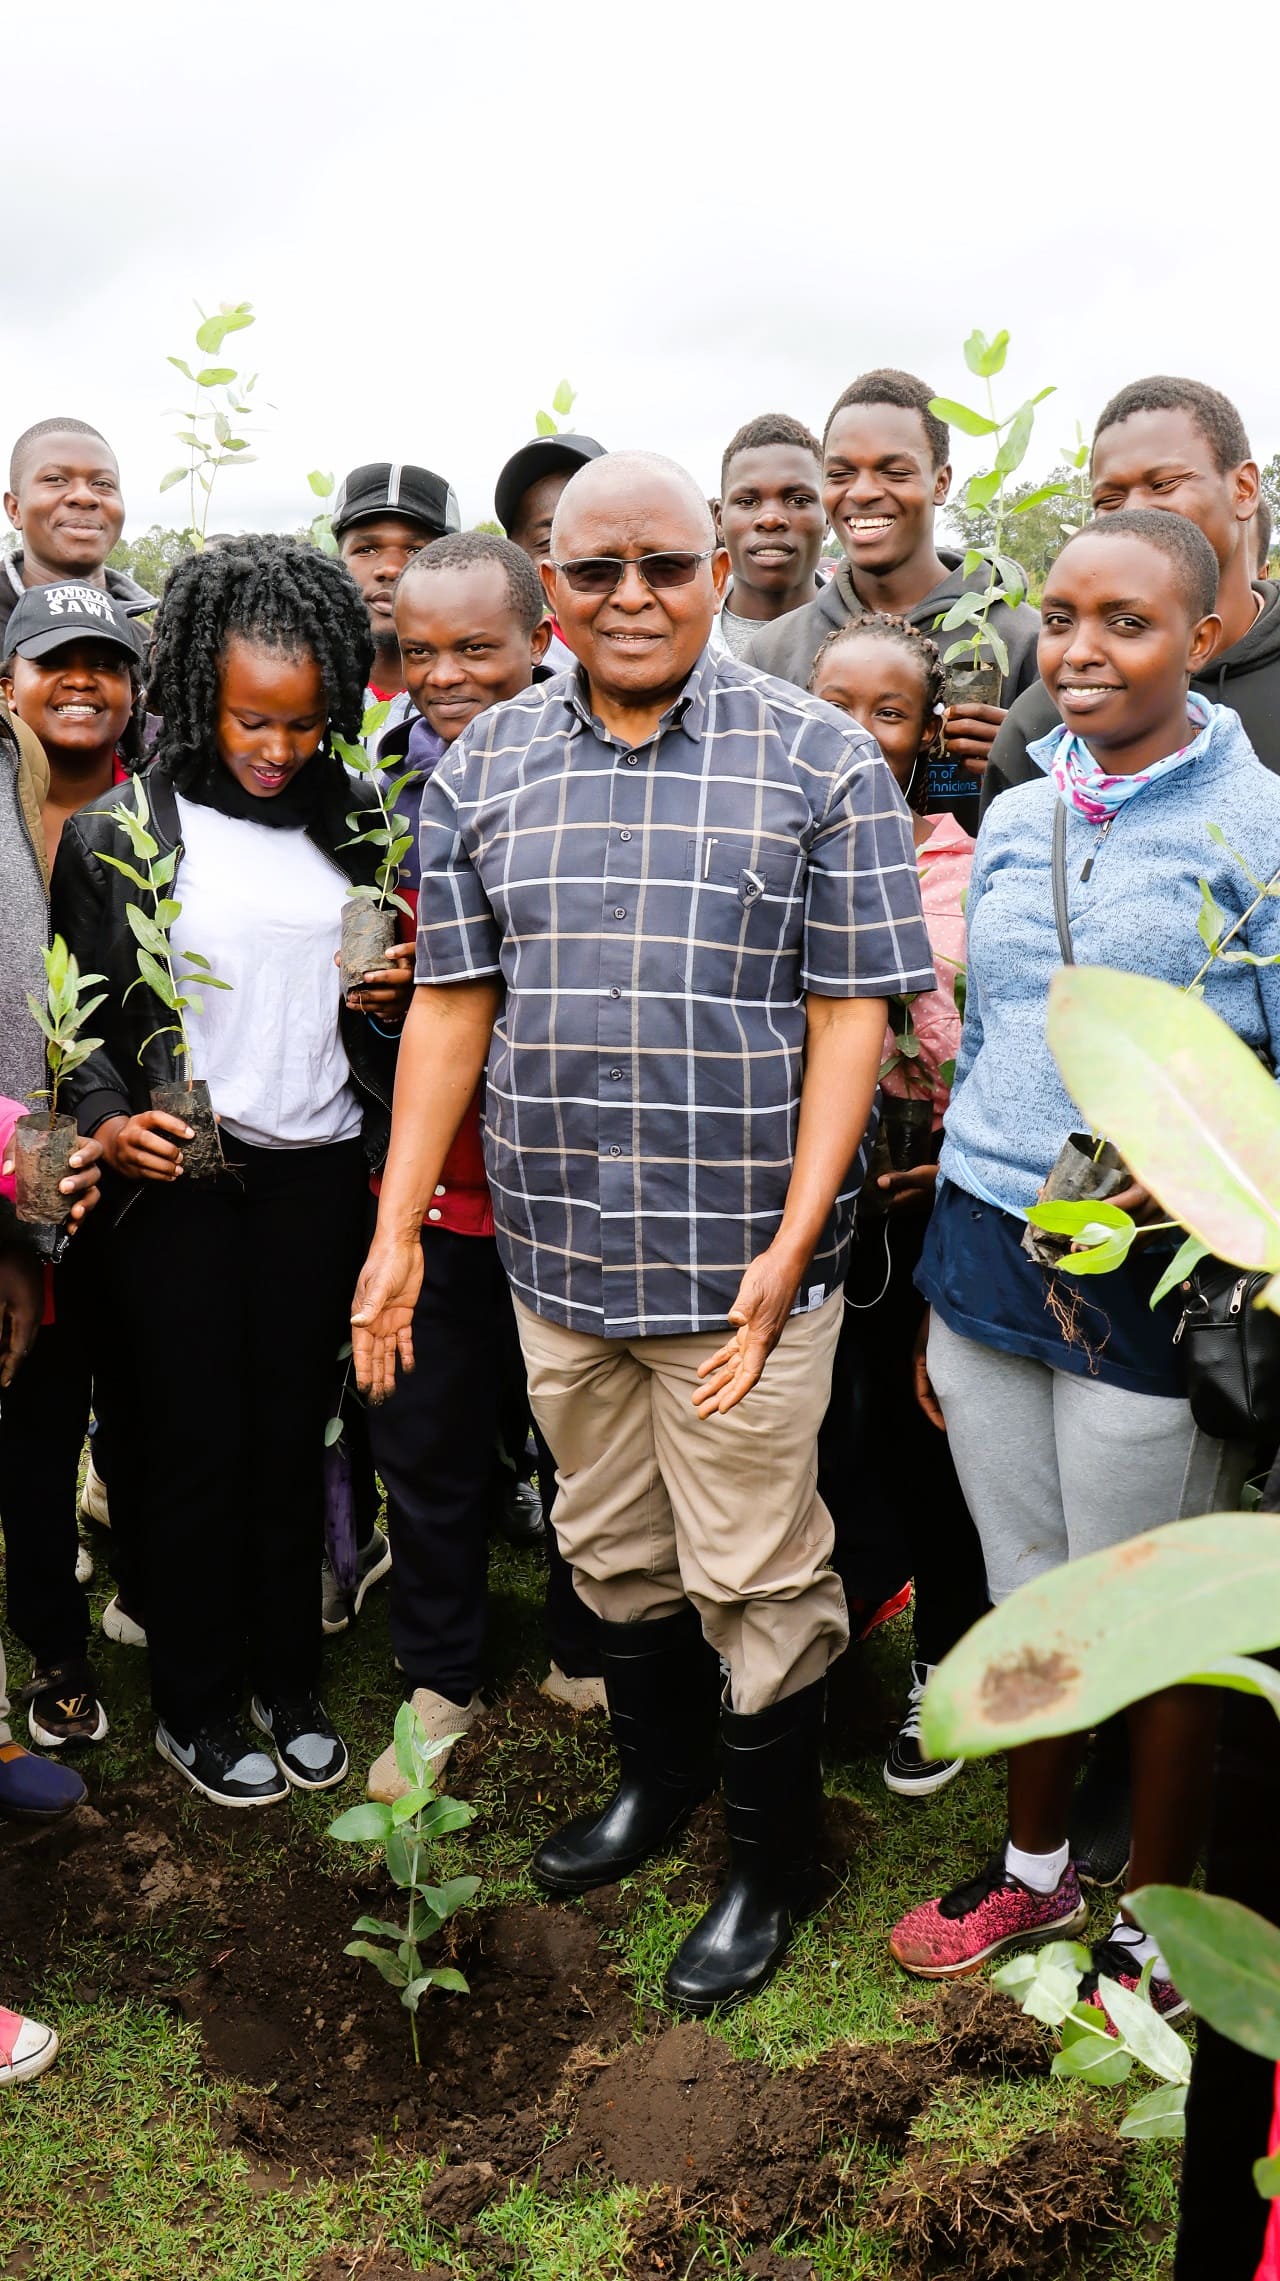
(546, 455)
(50, 617)
(395, 487)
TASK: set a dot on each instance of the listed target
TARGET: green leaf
(1191, 1110)
(146, 931)
(1089, 2052)
(971, 562)
(163, 871)
(963, 612)
(1243, 1675)
(167, 911)
(1187, 1256)
(405, 1808)
(980, 490)
(1266, 2176)
(362, 1825)
(444, 1976)
(544, 425)
(404, 1858)
(183, 366)
(156, 977)
(985, 358)
(996, 644)
(1213, 921)
(321, 484)
(1086, 1638)
(388, 1965)
(213, 332)
(1162, 2114)
(1038, 498)
(1148, 2037)
(453, 1895)
(412, 1756)
(175, 475)
(960, 416)
(444, 1815)
(1013, 449)
(1045, 1985)
(564, 398)
(332, 1432)
(215, 375)
(380, 1926)
(1223, 1957)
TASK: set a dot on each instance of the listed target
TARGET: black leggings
(236, 1295)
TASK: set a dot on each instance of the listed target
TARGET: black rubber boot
(773, 1811)
(663, 1683)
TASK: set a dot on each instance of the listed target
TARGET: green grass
(113, 2167)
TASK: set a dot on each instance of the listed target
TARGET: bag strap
(1060, 883)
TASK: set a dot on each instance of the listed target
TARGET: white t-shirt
(264, 906)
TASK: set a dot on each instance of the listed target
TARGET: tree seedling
(221, 395)
(407, 1831)
(368, 918)
(1046, 1985)
(175, 978)
(45, 1142)
(1006, 581)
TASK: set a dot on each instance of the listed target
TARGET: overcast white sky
(697, 211)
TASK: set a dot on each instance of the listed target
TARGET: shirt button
(435, 1213)
(440, 1190)
(615, 1073)
(615, 992)
(615, 1152)
(624, 835)
(632, 758)
(619, 911)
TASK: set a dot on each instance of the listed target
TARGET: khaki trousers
(657, 1506)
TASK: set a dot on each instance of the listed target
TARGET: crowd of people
(679, 1152)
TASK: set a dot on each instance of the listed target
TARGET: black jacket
(87, 902)
(1246, 677)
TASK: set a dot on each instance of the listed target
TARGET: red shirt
(462, 1202)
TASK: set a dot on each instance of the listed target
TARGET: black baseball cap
(45, 618)
(393, 487)
(546, 455)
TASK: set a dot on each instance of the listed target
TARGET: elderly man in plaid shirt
(664, 899)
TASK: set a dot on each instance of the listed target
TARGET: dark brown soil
(1028, 2213)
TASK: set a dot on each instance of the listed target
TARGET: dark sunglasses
(600, 573)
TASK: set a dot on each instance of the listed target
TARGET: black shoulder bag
(1231, 1346)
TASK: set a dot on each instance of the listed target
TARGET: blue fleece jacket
(1137, 910)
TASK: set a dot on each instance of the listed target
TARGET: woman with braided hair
(261, 653)
(893, 1494)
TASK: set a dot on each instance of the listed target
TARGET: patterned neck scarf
(1084, 786)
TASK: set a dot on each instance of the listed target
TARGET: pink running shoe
(1114, 1959)
(947, 1938)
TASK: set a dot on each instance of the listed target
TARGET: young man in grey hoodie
(1180, 446)
(885, 473)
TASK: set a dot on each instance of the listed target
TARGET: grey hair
(611, 472)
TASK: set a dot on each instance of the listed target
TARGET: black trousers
(884, 1472)
(43, 1419)
(435, 1443)
(236, 1295)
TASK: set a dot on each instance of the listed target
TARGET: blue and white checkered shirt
(657, 916)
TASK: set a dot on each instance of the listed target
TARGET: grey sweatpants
(1054, 1465)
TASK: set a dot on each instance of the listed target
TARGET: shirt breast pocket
(737, 909)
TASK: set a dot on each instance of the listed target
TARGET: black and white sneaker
(308, 1752)
(219, 1761)
(63, 1707)
(906, 1769)
(373, 1562)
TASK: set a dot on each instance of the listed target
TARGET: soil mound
(1031, 2212)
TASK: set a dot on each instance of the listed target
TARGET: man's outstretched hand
(382, 1315)
(766, 1295)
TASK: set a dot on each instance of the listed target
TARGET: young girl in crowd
(1062, 1401)
(232, 1293)
(892, 1491)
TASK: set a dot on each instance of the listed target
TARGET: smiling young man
(384, 513)
(664, 900)
(770, 518)
(1180, 447)
(65, 503)
(885, 473)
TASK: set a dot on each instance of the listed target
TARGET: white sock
(1140, 1946)
(1041, 1872)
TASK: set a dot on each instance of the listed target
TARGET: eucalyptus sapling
(221, 395)
(175, 978)
(369, 913)
(407, 1831)
(977, 681)
(45, 1140)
